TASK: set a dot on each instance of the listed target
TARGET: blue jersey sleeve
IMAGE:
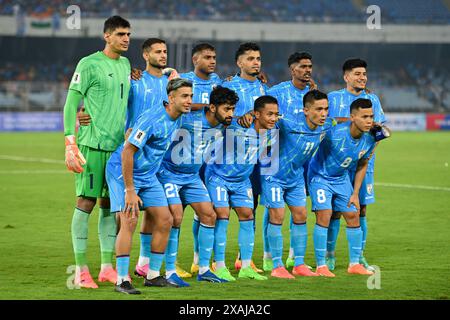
(334, 107)
(142, 130)
(134, 107)
(377, 109)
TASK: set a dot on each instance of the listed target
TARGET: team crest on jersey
(76, 78)
(363, 152)
(261, 89)
(139, 136)
(250, 193)
(369, 188)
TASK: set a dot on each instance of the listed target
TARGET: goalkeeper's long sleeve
(70, 111)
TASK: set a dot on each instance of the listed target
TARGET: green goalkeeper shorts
(92, 181)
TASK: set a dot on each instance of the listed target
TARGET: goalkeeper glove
(74, 158)
(380, 132)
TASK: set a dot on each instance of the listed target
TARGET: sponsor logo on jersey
(369, 188)
(261, 89)
(322, 136)
(362, 153)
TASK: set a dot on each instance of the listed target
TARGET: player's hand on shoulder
(246, 120)
(262, 76)
(171, 73)
(136, 74)
(312, 85)
(84, 119)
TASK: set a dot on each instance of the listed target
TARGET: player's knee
(208, 217)
(300, 216)
(362, 211)
(165, 222)
(323, 220)
(86, 204)
(177, 219)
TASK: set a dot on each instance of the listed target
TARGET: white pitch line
(7, 172)
(411, 186)
(27, 159)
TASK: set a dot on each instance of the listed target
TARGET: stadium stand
(395, 11)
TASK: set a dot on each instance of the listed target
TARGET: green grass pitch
(409, 237)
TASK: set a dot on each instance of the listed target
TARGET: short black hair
(261, 102)
(353, 63)
(177, 83)
(221, 95)
(202, 46)
(245, 47)
(312, 96)
(151, 41)
(297, 56)
(114, 22)
(360, 103)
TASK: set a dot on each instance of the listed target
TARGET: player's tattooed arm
(132, 200)
(359, 177)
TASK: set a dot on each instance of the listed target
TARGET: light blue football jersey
(290, 98)
(152, 134)
(146, 92)
(247, 91)
(339, 106)
(202, 88)
(338, 152)
(192, 143)
(298, 143)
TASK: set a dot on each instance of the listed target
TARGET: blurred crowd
(402, 11)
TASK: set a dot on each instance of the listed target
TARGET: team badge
(322, 135)
(369, 188)
(363, 152)
(250, 193)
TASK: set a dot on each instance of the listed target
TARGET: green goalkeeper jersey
(104, 84)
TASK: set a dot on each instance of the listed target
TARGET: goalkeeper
(102, 81)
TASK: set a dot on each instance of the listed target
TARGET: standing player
(345, 145)
(290, 99)
(300, 137)
(102, 81)
(204, 80)
(131, 176)
(179, 175)
(355, 76)
(248, 87)
(228, 181)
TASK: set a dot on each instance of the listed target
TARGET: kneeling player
(131, 176)
(345, 145)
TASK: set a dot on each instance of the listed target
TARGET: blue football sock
(333, 231)
(266, 218)
(205, 244)
(276, 244)
(320, 244)
(195, 226)
(291, 240)
(299, 237)
(156, 260)
(122, 265)
(220, 239)
(246, 239)
(146, 240)
(363, 223)
(171, 249)
(354, 237)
